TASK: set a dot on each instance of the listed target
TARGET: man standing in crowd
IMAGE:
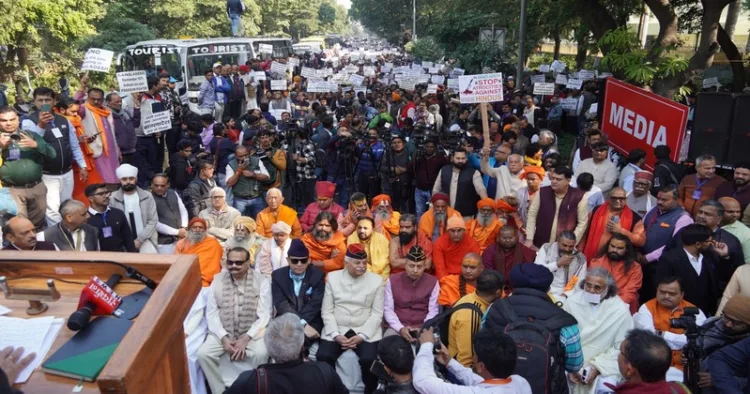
(701, 186)
(426, 168)
(219, 216)
(369, 154)
(533, 175)
(739, 188)
(666, 171)
(19, 232)
(556, 208)
(375, 246)
(411, 297)
(731, 224)
(449, 249)
(59, 134)
(149, 141)
(352, 319)
(433, 223)
(244, 174)
(206, 247)
(114, 231)
(636, 160)
(396, 178)
(100, 129)
(173, 216)
(298, 289)
(613, 217)
(21, 169)
(72, 233)
(640, 200)
(400, 245)
(325, 191)
(566, 263)
(604, 171)
(655, 316)
(238, 309)
(125, 120)
(507, 177)
(277, 212)
(139, 207)
(326, 244)
(462, 183)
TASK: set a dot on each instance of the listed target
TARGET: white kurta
(603, 328)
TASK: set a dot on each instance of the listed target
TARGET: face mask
(592, 298)
(129, 187)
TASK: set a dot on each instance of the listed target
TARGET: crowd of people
(391, 238)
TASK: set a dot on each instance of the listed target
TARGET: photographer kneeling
(494, 363)
(394, 365)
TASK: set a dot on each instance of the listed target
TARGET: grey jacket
(149, 216)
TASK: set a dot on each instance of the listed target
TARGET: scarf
(530, 161)
(501, 265)
(100, 113)
(598, 227)
(237, 325)
(77, 124)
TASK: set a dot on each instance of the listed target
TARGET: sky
(345, 3)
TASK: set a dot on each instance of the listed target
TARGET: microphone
(135, 274)
(97, 298)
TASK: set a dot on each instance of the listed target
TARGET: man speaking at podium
(238, 310)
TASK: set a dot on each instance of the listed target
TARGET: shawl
(530, 161)
(209, 254)
(502, 265)
(266, 219)
(485, 236)
(100, 113)
(598, 228)
(427, 221)
(236, 327)
(388, 228)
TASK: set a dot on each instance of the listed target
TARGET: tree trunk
(668, 27)
(597, 18)
(582, 51)
(735, 59)
(733, 14)
(558, 42)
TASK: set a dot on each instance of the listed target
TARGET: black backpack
(442, 322)
(540, 358)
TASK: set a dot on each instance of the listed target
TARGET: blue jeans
(249, 207)
(421, 198)
(236, 25)
(221, 179)
(342, 188)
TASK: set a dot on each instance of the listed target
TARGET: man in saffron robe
(485, 227)
(207, 248)
(357, 207)
(619, 258)
(449, 250)
(454, 287)
(374, 244)
(408, 237)
(277, 212)
(325, 191)
(612, 217)
(326, 244)
(99, 127)
(507, 252)
(386, 219)
(432, 224)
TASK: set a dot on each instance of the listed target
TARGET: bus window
(169, 62)
(281, 49)
(197, 65)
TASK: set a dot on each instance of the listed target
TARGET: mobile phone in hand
(350, 334)
(46, 108)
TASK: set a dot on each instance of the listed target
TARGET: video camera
(691, 350)
(686, 321)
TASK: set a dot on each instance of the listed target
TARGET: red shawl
(598, 227)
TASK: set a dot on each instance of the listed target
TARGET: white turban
(126, 171)
(281, 227)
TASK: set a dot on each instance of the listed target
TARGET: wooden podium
(151, 358)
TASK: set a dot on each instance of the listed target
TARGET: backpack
(273, 172)
(442, 322)
(539, 351)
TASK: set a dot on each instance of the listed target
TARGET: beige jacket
(220, 225)
(353, 303)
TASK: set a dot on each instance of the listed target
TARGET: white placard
(585, 75)
(537, 78)
(481, 88)
(433, 70)
(369, 71)
(385, 69)
(593, 108)
(318, 87)
(308, 72)
(278, 68)
(604, 75)
(544, 88)
(415, 66)
(438, 79)
(574, 84)
(265, 48)
(356, 79)
(132, 81)
(569, 103)
(278, 84)
(423, 79)
(358, 90)
(427, 65)
(453, 83)
(407, 84)
(458, 71)
(293, 61)
(351, 69)
(544, 68)
(260, 75)
(156, 122)
(561, 79)
(710, 82)
(389, 65)
(557, 66)
(432, 88)
(97, 60)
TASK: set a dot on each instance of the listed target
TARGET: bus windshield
(153, 60)
(197, 65)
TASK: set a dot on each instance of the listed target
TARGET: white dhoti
(148, 247)
(220, 371)
(196, 329)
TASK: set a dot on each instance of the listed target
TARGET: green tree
(326, 15)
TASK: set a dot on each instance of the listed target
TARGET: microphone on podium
(97, 298)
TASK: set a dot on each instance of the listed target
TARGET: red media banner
(635, 118)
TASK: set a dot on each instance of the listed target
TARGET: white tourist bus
(187, 59)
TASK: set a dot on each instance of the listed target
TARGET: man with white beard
(386, 219)
(485, 227)
(273, 252)
(207, 248)
(244, 236)
(433, 222)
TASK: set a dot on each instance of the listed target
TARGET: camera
(686, 321)
(692, 351)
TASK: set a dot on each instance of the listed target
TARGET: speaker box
(739, 140)
(712, 124)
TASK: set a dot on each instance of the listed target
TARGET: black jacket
(121, 239)
(308, 305)
(293, 377)
(700, 290)
(725, 267)
(666, 172)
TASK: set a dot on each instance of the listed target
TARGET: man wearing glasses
(238, 309)
(298, 289)
(640, 200)
(114, 232)
(612, 217)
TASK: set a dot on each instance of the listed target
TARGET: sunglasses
(235, 262)
(297, 261)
